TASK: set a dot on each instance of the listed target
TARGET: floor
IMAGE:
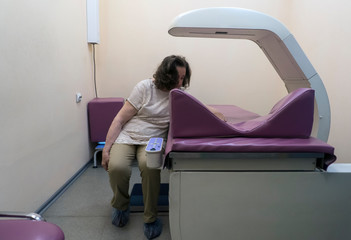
(84, 213)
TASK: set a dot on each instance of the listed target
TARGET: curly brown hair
(166, 75)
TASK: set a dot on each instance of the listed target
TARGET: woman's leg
(150, 184)
(119, 170)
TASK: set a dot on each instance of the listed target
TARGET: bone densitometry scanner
(255, 177)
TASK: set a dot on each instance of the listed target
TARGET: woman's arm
(122, 117)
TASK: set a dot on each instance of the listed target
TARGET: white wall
(44, 61)
(134, 40)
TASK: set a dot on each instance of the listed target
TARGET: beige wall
(134, 40)
(44, 61)
(322, 29)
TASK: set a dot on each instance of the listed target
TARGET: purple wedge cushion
(291, 117)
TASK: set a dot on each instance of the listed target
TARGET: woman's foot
(120, 218)
(153, 230)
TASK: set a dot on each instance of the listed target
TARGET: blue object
(154, 145)
(100, 146)
(136, 198)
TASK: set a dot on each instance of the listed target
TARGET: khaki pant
(119, 170)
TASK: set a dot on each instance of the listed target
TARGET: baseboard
(59, 192)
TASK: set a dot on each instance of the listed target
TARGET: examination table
(255, 177)
(229, 186)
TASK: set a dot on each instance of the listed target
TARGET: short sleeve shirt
(152, 118)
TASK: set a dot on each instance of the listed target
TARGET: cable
(94, 67)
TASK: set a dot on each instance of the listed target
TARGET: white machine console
(154, 151)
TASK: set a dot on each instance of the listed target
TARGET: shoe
(120, 218)
(153, 230)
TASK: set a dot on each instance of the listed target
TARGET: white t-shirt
(152, 118)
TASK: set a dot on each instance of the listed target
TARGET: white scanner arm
(275, 40)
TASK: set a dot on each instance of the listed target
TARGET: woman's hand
(123, 116)
(217, 113)
(220, 116)
(105, 158)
